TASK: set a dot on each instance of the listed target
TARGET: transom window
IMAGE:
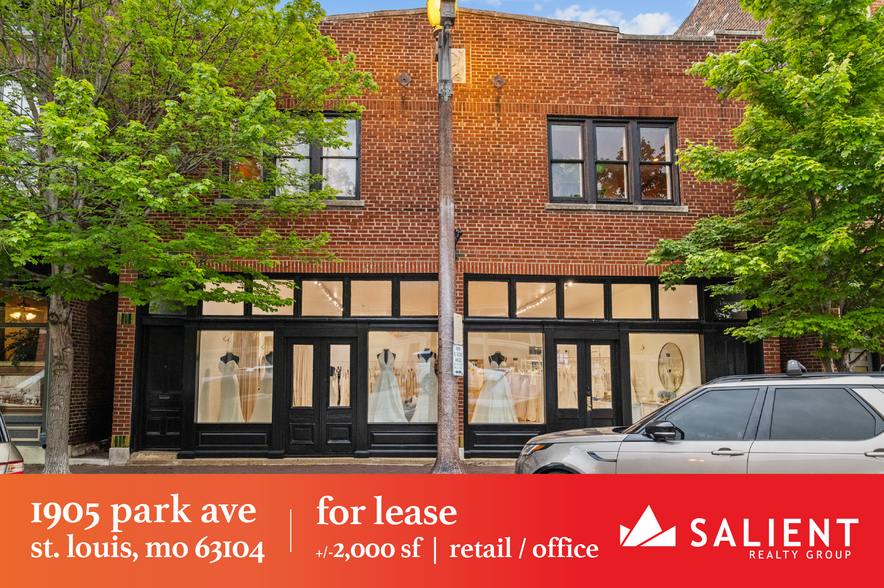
(336, 295)
(521, 297)
(612, 161)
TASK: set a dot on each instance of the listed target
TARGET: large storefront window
(402, 380)
(235, 379)
(505, 380)
(22, 356)
(663, 367)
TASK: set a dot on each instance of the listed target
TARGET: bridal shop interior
(350, 367)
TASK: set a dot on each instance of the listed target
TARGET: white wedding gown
(427, 409)
(385, 401)
(231, 411)
(495, 402)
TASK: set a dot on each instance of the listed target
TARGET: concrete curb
(149, 458)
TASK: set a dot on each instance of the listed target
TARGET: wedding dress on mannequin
(385, 401)
(495, 402)
(427, 409)
(231, 411)
(263, 412)
(567, 380)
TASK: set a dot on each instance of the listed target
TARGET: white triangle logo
(647, 533)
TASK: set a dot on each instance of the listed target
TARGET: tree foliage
(806, 245)
(122, 125)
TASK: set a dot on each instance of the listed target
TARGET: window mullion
(589, 157)
(635, 173)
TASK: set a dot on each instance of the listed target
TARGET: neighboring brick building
(713, 15)
(564, 139)
(24, 365)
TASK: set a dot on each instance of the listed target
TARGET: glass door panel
(566, 375)
(302, 376)
(339, 373)
(600, 397)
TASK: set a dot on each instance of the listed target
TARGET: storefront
(23, 364)
(349, 369)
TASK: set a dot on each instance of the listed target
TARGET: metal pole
(447, 454)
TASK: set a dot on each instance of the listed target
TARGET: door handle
(728, 451)
(876, 453)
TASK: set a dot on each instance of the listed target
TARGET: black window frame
(316, 158)
(633, 160)
(298, 279)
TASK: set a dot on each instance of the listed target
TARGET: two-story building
(566, 175)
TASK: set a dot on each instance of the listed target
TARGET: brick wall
(801, 349)
(500, 151)
(125, 358)
(93, 379)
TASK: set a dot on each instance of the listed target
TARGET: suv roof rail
(802, 376)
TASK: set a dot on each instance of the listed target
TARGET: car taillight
(15, 467)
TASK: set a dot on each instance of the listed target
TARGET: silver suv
(801, 423)
(11, 461)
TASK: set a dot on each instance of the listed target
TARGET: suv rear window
(820, 414)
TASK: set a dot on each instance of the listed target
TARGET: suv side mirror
(660, 430)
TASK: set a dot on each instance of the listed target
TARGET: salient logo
(647, 533)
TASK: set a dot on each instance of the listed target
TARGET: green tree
(806, 244)
(116, 122)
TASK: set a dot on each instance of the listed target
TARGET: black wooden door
(585, 384)
(164, 367)
(321, 384)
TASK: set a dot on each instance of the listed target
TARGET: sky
(640, 17)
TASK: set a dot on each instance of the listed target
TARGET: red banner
(397, 530)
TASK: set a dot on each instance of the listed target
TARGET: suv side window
(718, 415)
(820, 414)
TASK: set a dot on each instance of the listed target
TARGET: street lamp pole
(442, 14)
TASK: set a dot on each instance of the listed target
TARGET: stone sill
(328, 203)
(344, 203)
(644, 208)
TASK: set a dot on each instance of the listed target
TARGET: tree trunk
(61, 345)
(842, 362)
(827, 364)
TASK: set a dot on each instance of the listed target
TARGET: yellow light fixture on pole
(434, 13)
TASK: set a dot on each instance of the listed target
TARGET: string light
(329, 295)
(543, 298)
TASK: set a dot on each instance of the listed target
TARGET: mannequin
(344, 386)
(567, 382)
(228, 357)
(427, 409)
(334, 389)
(263, 412)
(231, 411)
(495, 402)
(385, 401)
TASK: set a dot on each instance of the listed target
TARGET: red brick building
(565, 177)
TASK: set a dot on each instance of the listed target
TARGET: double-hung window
(612, 161)
(339, 166)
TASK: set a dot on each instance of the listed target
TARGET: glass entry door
(322, 381)
(587, 384)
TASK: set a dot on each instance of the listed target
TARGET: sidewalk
(166, 463)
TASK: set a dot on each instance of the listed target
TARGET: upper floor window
(339, 166)
(612, 161)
